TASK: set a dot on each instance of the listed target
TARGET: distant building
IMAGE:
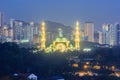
(10, 33)
(89, 31)
(83, 37)
(23, 31)
(36, 39)
(1, 23)
(1, 19)
(116, 34)
(6, 34)
(98, 37)
(32, 77)
(111, 34)
(16, 29)
(106, 34)
(24, 76)
(5, 30)
(33, 29)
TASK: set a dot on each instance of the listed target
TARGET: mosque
(61, 43)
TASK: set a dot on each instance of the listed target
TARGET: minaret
(43, 36)
(60, 32)
(77, 36)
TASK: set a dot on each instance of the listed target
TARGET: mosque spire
(77, 36)
(43, 36)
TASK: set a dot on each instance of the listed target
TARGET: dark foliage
(14, 59)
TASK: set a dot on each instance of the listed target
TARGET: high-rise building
(98, 37)
(5, 30)
(115, 30)
(89, 31)
(82, 35)
(23, 31)
(111, 34)
(10, 33)
(17, 26)
(6, 34)
(36, 39)
(1, 19)
(1, 23)
(11, 23)
(106, 33)
(118, 34)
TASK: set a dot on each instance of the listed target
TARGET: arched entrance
(61, 47)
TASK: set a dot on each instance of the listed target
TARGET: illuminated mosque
(60, 44)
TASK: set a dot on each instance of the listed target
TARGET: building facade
(89, 31)
(111, 34)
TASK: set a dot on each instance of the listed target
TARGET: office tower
(82, 35)
(111, 34)
(118, 34)
(1, 19)
(20, 31)
(10, 33)
(89, 31)
(30, 28)
(17, 25)
(106, 33)
(115, 35)
(1, 23)
(36, 39)
(36, 31)
(11, 23)
(23, 32)
(5, 30)
(98, 37)
(6, 34)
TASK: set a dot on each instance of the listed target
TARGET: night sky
(63, 11)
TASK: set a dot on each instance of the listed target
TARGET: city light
(77, 36)
(86, 49)
(43, 36)
(39, 40)
(61, 43)
(75, 65)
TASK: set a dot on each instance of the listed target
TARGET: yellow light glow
(86, 49)
(113, 67)
(87, 63)
(77, 23)
(96, 67)
(82, 74)
(43, 36)
(85, 66)
(61, 47)
(77, 36)
(75, 65)
(43, 23)
(61, 43)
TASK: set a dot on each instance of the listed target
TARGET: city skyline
(62, 11)
(59, 40)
